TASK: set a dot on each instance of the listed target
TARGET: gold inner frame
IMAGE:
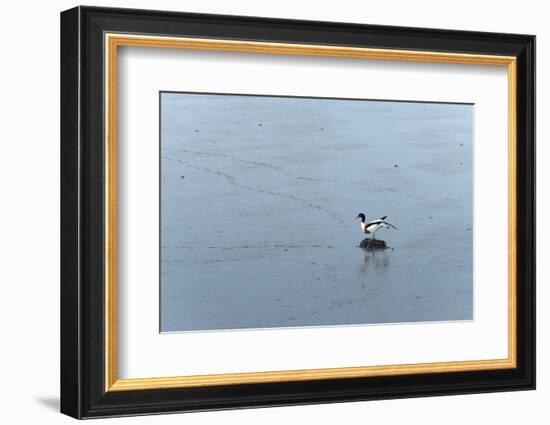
(113, 41)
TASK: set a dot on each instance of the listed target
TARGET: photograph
(279, 211)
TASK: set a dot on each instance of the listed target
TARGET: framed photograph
(261, 212)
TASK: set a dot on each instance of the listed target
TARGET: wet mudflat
(258, 203)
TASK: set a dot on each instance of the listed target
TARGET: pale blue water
(258, 203)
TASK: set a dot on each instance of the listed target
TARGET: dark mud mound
(369, 243)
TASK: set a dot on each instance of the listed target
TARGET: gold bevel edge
(112, 41)
(305, 49)
(512, 212)
(110, 214)
(307, 375)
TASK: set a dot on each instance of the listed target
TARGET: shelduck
(372, 227)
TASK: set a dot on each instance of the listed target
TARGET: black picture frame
(83, 392)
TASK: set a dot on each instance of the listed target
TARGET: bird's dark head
(361, 216)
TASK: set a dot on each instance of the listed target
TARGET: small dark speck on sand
(461, 163)
(462, 144)
(468, 228)
(182, 177)
(260, 125)
(196, 131)
(286, 250)
(396, 166)
(430, 217)
(322, 129)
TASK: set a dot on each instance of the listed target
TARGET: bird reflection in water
(374, 259)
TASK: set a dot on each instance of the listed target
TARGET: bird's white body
(372, 227)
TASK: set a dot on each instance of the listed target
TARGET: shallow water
(258, 203)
